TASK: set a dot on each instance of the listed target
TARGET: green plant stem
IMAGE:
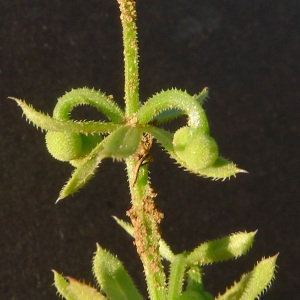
(128, 20)
(144, 216)
(145, 219)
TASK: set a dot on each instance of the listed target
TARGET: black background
(246, 52)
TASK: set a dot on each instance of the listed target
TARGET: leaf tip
(238, 170)
(115, 218)
(14, 98)
(59, 198)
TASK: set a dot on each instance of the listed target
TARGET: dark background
(246, 52)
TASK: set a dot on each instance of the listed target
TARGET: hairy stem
(128, 20)
(145, 219)
(144, 216)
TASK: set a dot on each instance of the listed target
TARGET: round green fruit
(64, 146)
(195, 148)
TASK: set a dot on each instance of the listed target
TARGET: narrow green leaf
(84, 171)
(72, 289)
(194, 289)
(222, 249)
(125, 225)
(221, 169)
(168, 115)
(62, 285)
(252, 284)
(48, 123)
(194, 295)
(82, 291)
(260, 278)
(176, 278)
(164, 137)
(165, 251)
(113, 278)
(123, 142)
(202, 96)
(194, 280)
(236, 290)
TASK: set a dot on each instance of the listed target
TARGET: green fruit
(195, 148)
(64, 146)
(69, 146)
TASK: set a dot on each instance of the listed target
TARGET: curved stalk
(174, 99)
